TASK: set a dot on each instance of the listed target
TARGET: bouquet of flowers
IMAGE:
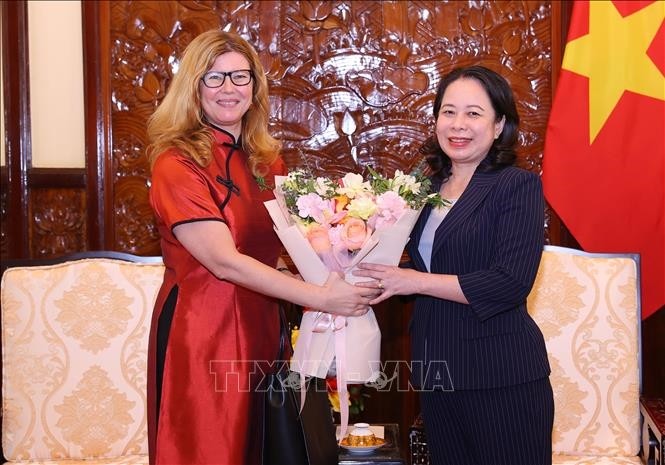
(338, 217)
(333, 225)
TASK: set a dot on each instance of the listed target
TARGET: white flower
(362, 207)
(293, 182)
(352, 185)
(405, 182)
(323, 186)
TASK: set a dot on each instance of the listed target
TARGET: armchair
(74, 350)
(588, 307)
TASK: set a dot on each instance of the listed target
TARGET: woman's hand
(346, 299)
(388, 280)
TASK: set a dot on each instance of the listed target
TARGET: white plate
(362, 449)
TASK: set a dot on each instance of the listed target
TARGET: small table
(389, 454)
(653, 431)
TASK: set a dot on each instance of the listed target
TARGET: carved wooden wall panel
(58, 222)
(352, 82)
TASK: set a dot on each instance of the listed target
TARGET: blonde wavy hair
(178, 121)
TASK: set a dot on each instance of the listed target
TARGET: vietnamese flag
(604, 158)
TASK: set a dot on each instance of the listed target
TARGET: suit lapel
(417, 231)
(479, 186)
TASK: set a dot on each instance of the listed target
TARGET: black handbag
(290, 437)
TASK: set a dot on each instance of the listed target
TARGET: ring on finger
(380, 285)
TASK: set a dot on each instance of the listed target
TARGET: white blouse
(427, 239)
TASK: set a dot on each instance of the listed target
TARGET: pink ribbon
(343, 392)
(322, 322)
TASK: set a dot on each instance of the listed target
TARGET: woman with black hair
(478, 358)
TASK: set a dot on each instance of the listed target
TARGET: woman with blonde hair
(216, 315)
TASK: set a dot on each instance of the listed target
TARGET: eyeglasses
(240, 77)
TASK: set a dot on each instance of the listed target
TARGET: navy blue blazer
(492, 239)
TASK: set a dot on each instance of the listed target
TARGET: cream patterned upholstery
(587, 306)
(74, 350)
(558, 459)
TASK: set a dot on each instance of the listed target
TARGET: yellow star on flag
(613, 55)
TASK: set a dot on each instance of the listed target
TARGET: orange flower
(341, 201)
(295, 332)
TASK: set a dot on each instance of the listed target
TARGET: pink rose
(317, 236)
(354, 233)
